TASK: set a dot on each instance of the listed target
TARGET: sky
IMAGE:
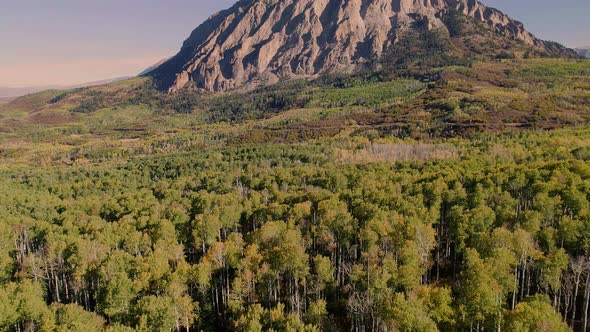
(64, 42)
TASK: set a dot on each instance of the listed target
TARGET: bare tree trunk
(577, 286)
(499, 324)
(586, 301)
(515, 288)
(56, 282)
(578, 267)
(523, 280)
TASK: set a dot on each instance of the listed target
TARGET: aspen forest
(285, 238)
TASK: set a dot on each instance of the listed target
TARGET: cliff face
(262, 41)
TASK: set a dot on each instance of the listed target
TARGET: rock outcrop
(263, 41)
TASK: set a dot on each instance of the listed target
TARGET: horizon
(67, 42)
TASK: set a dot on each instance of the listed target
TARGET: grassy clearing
(397, 152)
(367, 95)
(536, 69)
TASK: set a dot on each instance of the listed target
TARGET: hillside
(451, 101)
(153, 67)
(259, 42)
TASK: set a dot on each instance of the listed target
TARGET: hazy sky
(46, 42)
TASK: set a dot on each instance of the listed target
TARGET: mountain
(264, 41)
(7, 93)
(584, 52)
(152, 67)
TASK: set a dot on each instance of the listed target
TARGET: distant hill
(7, 93)
(584, 51)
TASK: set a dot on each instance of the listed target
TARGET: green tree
(317, 314)
(22, 307)
(438, 303)
(408, 314)
(73, 318)
(535, 315)
(479, 291)
(156, 313)
(117, 292)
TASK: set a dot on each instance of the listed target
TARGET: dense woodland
(276, 237)
(409, 199)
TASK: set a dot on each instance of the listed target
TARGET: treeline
(279, 238)
(329, 91)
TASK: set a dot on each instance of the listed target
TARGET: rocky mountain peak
(263, 41)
